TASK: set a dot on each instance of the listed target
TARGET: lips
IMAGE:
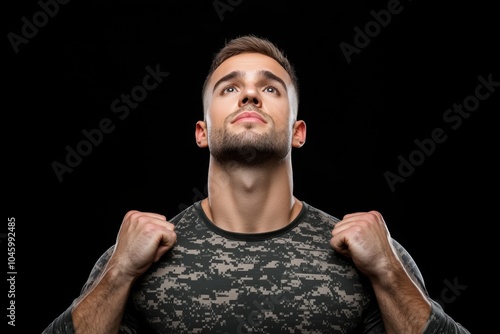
(249, 116)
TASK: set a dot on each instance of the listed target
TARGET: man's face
(249, 116)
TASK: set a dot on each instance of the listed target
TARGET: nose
(250, 96)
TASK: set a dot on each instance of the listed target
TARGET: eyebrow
(239, 74)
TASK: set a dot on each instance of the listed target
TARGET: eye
(271, 89)
(229, 89)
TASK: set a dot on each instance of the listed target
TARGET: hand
(364, 237)
(143, 238)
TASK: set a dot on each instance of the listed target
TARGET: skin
(270, 104)
(267, 186)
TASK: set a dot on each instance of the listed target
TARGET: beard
(249, 148)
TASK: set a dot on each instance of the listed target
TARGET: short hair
(249, 44)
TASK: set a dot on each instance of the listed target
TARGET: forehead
(250, 64)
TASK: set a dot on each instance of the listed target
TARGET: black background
(361, 117)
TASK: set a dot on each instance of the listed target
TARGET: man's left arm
(404, 303)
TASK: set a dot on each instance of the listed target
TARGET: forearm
(101, 309)
(403, 306)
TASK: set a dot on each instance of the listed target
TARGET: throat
(251, 217)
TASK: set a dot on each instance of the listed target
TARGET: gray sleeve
(62, 324)
(439, 322)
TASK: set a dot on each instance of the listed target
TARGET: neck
(251, 199)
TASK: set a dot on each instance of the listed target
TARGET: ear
(200, 134)
(299, 134)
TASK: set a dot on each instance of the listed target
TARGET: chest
(219, 285)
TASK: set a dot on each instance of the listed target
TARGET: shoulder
(315, 220)
(313, 213)
(189, 213)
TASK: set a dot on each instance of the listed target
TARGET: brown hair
(252, 43)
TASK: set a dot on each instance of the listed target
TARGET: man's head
(250, 102)
(252, 44)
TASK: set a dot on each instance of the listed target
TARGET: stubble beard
(249, 148)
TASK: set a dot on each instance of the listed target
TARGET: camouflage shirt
(285, 281)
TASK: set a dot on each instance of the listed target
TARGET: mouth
(248, 116)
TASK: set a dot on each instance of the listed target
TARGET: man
(251, 257)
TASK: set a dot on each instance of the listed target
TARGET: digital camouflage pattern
(285, 281)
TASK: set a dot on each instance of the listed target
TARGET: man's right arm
(143, 238)
(101, 309)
